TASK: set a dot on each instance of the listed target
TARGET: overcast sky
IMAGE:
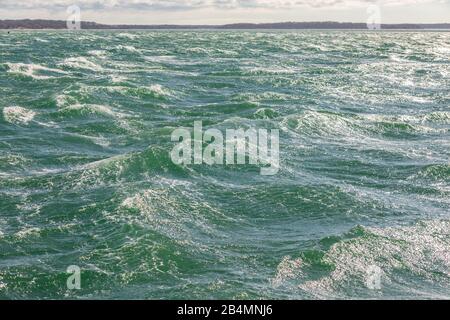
(228, 11)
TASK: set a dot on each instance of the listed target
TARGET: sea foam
(18, 115)
(81, 63)
(34, 71)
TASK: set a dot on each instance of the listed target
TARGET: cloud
(196, 4)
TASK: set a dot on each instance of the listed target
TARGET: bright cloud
(197, 4)
(227, 11)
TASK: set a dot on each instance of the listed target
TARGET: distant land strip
(61, 24)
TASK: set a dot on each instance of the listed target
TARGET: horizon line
(61, 24)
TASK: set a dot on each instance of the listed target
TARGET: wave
(263, 96)
(127, 167)
(127, 48)
(328, 124)
(363, 183)
(127, 35)
(13, 162)
(437, 117)
(323, 124)
(265, 113)
(437, 172)
(98, 53)
(85, 109)
(18, 115)
(417, 252)
(81, 63)
(119, 120)
(159, 90)
(156, 91)
(28, 232)
(34, 71)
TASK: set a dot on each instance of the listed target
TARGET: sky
(230, 11)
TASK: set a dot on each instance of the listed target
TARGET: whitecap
(62, 100)
(18, 115)
(127, 35)
(31, 70)
(13, 159)
(98, 53)
(127, 48)
(41, 40)
(421, 249)
(117, 78)
(81, 63)
(93, 108)
(24, 233)
(159, 90)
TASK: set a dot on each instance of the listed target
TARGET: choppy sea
(86, 178)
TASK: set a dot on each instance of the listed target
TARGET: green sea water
(86, 178)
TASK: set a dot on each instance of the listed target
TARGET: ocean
(90, 197)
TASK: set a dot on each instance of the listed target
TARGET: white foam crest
(118, 78)
(357, 127)
(270, 70)
(95, 108)
(319, 123)
(421, 249)
(159, 90)
(31, 70)
(100, 141)
(41, 40)
(105, 110)
(441, 117)
(198, 50)
(18, 115)
(127, 35)
(27, 232)
(160, 210)
(81, 63)
(63, 100)
(3, 285)
(98, 53)
(14, 159)
(127, 48)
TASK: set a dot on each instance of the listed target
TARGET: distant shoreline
(28, 24)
